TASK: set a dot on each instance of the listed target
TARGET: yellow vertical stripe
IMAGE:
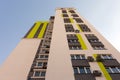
(43, 30)
(71, 20)
(84, 47)
(106, 74)
(33, 31)
(79, 28)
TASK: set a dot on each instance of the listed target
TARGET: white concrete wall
(17, 65)
(59, 63)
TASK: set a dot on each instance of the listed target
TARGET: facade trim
(84, 47)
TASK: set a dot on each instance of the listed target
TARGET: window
(78, 20)
(81, 70)
(75, 48)
(106, 56)
(42, 73)
(64, 11)
(77, 57)
(39, 73)
(71, 36)
(41, 64)
(113, 69)
(75, 15)
(46, 56)
(46, 51)
(84, 28)
(94, 41)
(67, 20)
(65, 15)
(43, 56)
(69, 28)
(76, 70)
(98, 48)
(71, 11)
(73, 42)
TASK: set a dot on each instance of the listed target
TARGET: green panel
(84, 47)
(71, 20)
(33, 31)
(106, 74)
(43, 30)
(79, 28)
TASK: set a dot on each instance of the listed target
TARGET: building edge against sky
(66, 47)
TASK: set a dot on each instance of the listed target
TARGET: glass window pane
(46, 56)
(105, 57)
(108, 70)
(42, 73)
(40, 63)
(77, 56)
(88, 70)
(115, 70)
(41, 56)
(82, 70)
(110, 57)
(83, 57)
(119, 69)
(37, 73)
(72, 57)
(75, 70)
(45, 63)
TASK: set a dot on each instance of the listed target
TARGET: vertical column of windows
(39, 66)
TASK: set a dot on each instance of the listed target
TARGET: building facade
(67, 47)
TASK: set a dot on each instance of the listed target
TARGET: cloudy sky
(17, 16)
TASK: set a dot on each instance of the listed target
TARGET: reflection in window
(81, 70)
(77, 57)
(39, 73)
(113, 69)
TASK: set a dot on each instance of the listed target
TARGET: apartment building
(67, 47)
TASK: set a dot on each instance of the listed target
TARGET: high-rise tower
(66, 47)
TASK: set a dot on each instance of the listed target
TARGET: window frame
(43, 56)
(42, 64)
(112, 69)
(106, 56)
(86, 70)
(40, 73)
(81, 57)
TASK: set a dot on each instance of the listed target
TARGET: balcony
(92, 38)
(97, 44)
(111, 63)
(89, 76)
(74, 44)
(80, 63)
(36, 79)
(115, 76)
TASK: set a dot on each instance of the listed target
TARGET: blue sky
(17, 16)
